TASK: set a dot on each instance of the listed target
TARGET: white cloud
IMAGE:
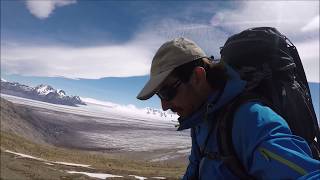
(132, 58)
(43, 8)
(309, 54)
(285, 15)
(298, 20)
(295, 19)
(312, 25)
(209, 38)
(124, 60)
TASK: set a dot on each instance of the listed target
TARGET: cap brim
(150, 88)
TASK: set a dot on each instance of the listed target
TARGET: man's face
(183, 99)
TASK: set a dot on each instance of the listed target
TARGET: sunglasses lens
(168, 93)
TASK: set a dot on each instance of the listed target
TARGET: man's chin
(181, 115)
(184, 114)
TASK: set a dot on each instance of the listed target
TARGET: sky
(103, 49)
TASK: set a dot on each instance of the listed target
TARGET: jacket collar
(234, 86)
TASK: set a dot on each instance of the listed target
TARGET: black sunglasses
(167, 93)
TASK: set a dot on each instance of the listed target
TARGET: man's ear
(199, 75)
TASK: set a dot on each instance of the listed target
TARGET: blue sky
(103, 49)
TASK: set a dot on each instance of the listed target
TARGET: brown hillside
(16, 119)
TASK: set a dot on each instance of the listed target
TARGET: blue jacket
(262, 140)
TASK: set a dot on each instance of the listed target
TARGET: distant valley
(110, 142)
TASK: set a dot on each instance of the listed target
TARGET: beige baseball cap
(169, 56)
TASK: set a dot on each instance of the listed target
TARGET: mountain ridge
(42, 92)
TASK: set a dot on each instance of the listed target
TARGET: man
(190, 84)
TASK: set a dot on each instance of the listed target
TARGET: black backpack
(272, 66)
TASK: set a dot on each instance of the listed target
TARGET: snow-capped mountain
(41, 92)
(44, 89)
(61, 93)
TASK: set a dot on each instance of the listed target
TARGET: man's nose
(165, 104)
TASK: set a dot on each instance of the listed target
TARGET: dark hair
(216, 72)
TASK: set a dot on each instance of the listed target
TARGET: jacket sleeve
(192, 171)
(266, 146)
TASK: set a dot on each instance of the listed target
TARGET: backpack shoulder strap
(224, 135)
